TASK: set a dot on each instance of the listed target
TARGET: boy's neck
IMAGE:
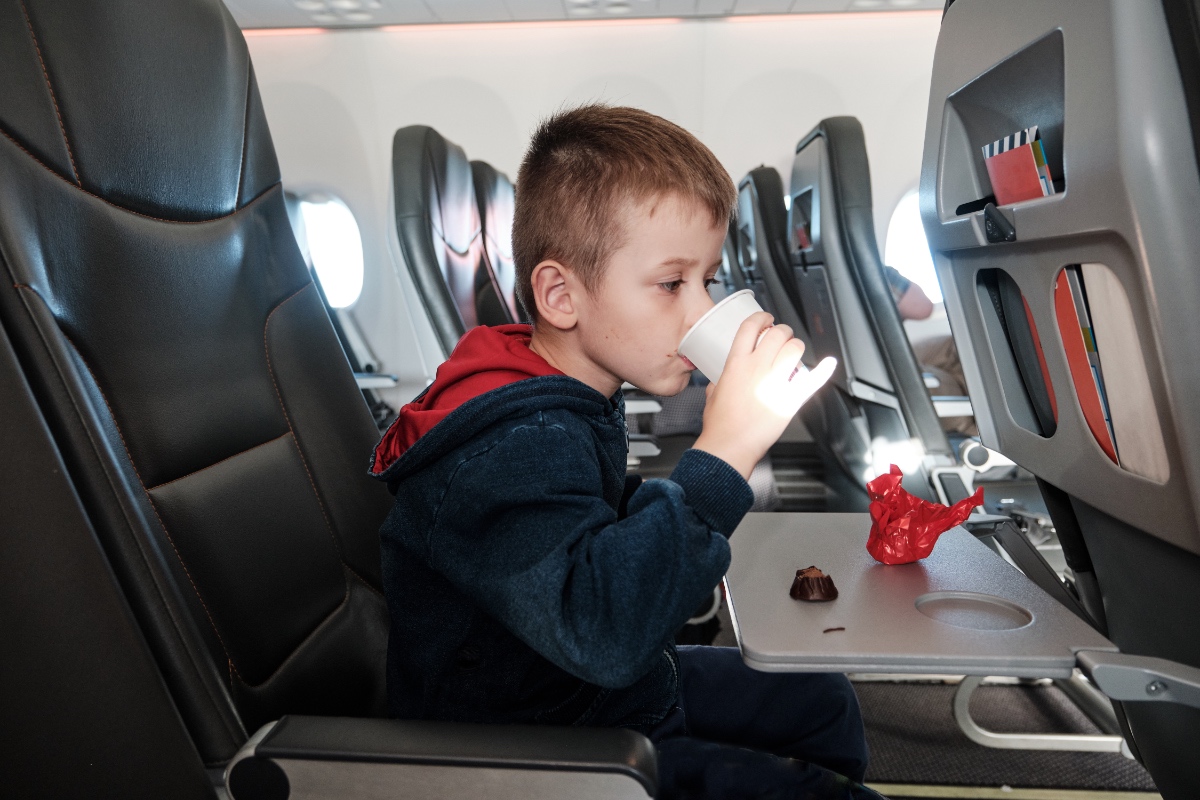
(561, 351)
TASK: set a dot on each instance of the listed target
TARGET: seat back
(761, 221)
(496, 300)
(186, 367)
(839, 277)
(730, 273)
(438, 226)
(1120, 470)
(837, 424)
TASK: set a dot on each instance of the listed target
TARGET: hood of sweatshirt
(486, 358)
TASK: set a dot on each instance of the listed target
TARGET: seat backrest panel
(438, 226)
(831, 161)
(1112, 212)
(496, 300)
(761, 220)
(834, 419)
(185, 361)
(91, 687)
(1129, 199)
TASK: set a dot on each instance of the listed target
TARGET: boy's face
(654, 288)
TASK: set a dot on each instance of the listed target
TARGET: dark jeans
(741, 734)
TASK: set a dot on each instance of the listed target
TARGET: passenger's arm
(524, 533)
(914, 303)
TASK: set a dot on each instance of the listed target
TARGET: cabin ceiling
(370, 13)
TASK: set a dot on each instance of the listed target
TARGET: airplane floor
(914, 740)
(915, 743)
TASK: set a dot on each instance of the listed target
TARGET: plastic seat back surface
(157, 301)
(840, 428)
(839, 276)
(1107, 85)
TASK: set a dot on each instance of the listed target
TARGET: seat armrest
(365, 759)
(375, 380)
(952, 406)
(1140, 678)
(643, 445)
(637, 405)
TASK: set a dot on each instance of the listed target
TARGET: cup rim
(708, 314)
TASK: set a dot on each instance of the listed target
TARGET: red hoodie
(484, 359)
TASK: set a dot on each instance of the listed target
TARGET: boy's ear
(554, 290)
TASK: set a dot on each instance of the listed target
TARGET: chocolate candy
(813, 585)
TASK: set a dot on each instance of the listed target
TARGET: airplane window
(907, 249)
(335, 246)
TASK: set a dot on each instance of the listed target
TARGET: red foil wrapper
(904, 528)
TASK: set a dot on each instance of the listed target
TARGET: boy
(528, 579)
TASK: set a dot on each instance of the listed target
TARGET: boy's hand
(752, 403)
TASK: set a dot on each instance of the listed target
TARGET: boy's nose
(699, 305)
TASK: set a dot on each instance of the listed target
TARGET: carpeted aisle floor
(914, 740)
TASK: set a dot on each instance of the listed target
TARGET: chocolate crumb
(831, 630)
(813, 585)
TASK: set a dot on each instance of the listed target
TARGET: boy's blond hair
(583, 166)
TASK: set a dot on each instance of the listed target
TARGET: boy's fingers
(748, 331)
(773, 339)
(786, 360)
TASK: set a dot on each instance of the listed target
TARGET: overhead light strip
(282, 31)
(591, 21)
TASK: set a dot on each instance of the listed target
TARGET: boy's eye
(710, 282)
(671, 286)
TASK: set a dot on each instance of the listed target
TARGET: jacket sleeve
(524, 531)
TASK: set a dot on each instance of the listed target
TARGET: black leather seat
(730, 273)
(855, 423)
(495, 287)
(838, 427)
(841, 287)
(438, 225)
(761, 236)
(190, 382)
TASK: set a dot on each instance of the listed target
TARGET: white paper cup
(708, 342)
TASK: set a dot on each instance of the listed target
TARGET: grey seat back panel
(760, 221)
(1111, 174)
(836, 421)
(859, 353)
(832, 160)
(1105, 75)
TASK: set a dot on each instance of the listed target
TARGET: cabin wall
(748, 87)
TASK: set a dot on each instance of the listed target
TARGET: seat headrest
(769, 189)
(179, 140)
(438, 226)
(495, 193)
(496, 206)
(449, 190)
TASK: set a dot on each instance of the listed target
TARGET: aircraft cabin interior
(240, 237)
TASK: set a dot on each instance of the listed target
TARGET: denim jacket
(528, 579)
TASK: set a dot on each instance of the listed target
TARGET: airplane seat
(496, 301)
(1074, 309)
(204, 411)
(843, 427)
(439, 229)
(730, 274)
(761, 228)
(844, 296)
